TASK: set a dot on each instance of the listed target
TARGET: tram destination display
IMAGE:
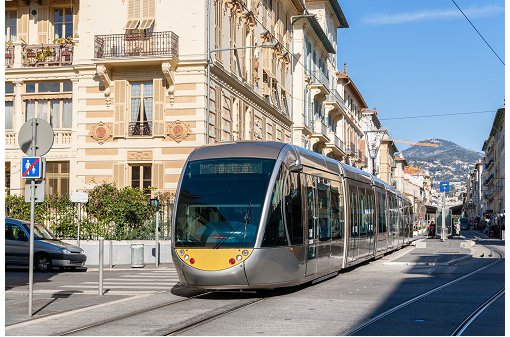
(231, 168)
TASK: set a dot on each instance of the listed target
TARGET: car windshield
(40, 232)
(220, 202)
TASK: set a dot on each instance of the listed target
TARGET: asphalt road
(333, 307)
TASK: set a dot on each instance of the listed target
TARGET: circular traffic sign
(43, 137)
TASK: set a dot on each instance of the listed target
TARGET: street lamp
(373, 153)
(209, 63)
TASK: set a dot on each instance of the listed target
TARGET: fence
(61, 216)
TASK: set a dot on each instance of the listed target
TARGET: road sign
(79, 197)
(31, 167)
(444, 186)
(39, 190)
(43, 137)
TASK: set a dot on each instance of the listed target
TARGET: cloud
(427, 15)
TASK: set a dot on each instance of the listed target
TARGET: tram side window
(293, 208)
(275, 234)
(324, 207)
(363, 211)
(382, 213)
(336, 210)
(354, 213)
(370, 212)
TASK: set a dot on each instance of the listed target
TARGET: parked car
(48, 251)
(464, 223)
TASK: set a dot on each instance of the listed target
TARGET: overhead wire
(437, 115)
(487, 43)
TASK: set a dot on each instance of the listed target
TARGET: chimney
(345, 68)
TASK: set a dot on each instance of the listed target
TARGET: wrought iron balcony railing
(138, 44)
(318, 76)
(140, 128)
(45, 55)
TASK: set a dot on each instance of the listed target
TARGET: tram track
(131, 314)
(407, 303)
(472, 317)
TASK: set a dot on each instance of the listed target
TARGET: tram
(263, 215)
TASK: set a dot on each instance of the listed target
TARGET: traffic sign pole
(32, 222)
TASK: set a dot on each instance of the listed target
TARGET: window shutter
(159, 108)
(158, 175)
(43, 25)
(119, 175)
(148, 13)
(134, 11)
(23, 24)
(76, 11)
(119, 120)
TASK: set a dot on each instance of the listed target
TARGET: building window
(141, 109)
(55, 109)
(141, 176)
(57, 178)
(9, 115)
(9, 88)
(141, 14)
(63, 22)
(11, 26)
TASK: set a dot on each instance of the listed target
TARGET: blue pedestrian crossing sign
(444, 186)
(31, 167)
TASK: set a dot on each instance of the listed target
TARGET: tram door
(312, 220)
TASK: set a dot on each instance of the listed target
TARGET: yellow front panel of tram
(213, 259)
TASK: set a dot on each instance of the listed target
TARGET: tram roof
(269, 150)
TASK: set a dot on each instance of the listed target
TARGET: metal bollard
(101, 258)
(111, 254)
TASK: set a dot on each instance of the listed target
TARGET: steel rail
(470, 319)
(416, 298)
(131, 314)
(182, 327)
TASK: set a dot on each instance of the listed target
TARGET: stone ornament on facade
(178, 131)
(139, 155)
(168, 71)
(101, 132)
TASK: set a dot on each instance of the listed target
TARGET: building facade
(129, 96)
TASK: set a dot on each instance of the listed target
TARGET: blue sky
(422, 57)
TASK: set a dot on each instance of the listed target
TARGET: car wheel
(42, 263)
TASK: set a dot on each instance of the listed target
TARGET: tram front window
(220, 202)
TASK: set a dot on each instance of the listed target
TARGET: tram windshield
(220, 202)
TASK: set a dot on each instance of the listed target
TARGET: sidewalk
(126, 267)
(434, 252)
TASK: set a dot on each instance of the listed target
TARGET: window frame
(65, 24)
(141, 179)
(142, 112)
(59, 175)
(8, 27)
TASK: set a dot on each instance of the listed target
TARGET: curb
(454, 261)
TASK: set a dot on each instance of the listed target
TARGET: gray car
(48, 251)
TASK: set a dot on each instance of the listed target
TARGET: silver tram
(255, 215)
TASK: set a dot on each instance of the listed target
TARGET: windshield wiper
(246, 219)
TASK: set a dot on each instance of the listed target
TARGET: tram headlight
(186, 257)
(245, 252)
(181, 252)
(239, 257)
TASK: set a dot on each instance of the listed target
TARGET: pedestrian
(432, 229)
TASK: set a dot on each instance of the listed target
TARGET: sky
(422, 57)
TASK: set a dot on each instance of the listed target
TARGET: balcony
(336, 144)
(148, 44)
(318, 81)
(47, 55)
(10, 139)
(60, 137)
(140, 129)
(320, 131)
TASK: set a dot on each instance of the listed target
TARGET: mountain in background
(448, 162)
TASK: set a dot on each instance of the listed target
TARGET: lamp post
(209, 64)
(373, 154)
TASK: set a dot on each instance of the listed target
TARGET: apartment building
(387, 163)
(474, 202)
(130, 95)
(494, 164)
(372, 128)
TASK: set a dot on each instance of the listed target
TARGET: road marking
(67, 313)
(129, 283)
(141, 279)
(126, 287)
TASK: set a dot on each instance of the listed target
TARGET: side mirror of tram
(296, 168)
